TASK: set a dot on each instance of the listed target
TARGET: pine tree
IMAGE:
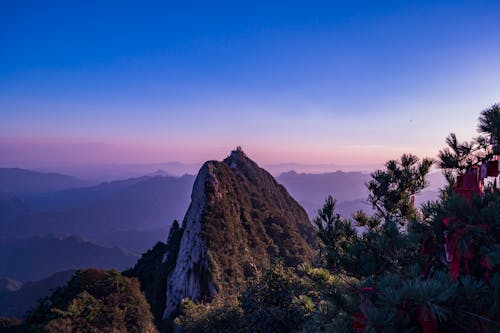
(392, 190)
(440, 273)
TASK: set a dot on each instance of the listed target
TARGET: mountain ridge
(17, 181)
(19, 301)
(52, 253)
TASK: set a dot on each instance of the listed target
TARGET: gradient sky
(351, 82)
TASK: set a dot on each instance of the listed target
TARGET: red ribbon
(484, 263)
(359, 322)
(427, 321)
(454, 256)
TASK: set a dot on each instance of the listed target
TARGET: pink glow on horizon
(33, 153)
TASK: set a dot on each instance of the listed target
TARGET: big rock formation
(239, 219)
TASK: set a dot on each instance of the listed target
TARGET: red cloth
(469, 254)
(427, 321)
(470, 181)
(492, 168)
(487, 266)
(456, 260)
(454, 255)
(467, 194)
(427, 250)
(426, 269)
(455, 266)
(460, 181)
(359, 322)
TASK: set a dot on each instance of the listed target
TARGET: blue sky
(311, 82)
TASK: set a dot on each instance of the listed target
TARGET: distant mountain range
(110, 172)
(8, 285)
(20, 182)
(33, 258)
(15, 303)
(348, 188)
(132, 213)
(311, 190)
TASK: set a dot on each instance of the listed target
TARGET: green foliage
(248, 221)
(381, 248)
(388, 286)
(402, 279)
(93, 301)
(489, 122)
(222, 315)
(152, 276)
(10, 325)
(336, 235)
(274, 302)
(392, 190)
(459, 156)
(153, 268)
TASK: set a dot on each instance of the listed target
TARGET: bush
(94, 301)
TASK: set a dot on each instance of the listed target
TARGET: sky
(342, 82)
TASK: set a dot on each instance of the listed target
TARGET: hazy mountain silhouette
(20, 182)
(310, 190)
(34, 258)
(348, 188)
(111, 172)
(17, 302)
(132, 213)
(279, 168)
(8, 285)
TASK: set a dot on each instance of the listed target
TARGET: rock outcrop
(239, 220)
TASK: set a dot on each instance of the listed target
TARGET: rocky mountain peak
(237, 157)
(239, 219)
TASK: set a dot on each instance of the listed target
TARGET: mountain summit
(239, 220)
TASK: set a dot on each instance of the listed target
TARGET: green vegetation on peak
(248, 220)
(153, 269)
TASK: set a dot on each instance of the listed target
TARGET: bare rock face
(239, 219)
(189, 280)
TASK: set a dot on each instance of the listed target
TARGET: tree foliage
(270, 303)
(392, 190)
(93, 301)
(459, 156)
(489, 122)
